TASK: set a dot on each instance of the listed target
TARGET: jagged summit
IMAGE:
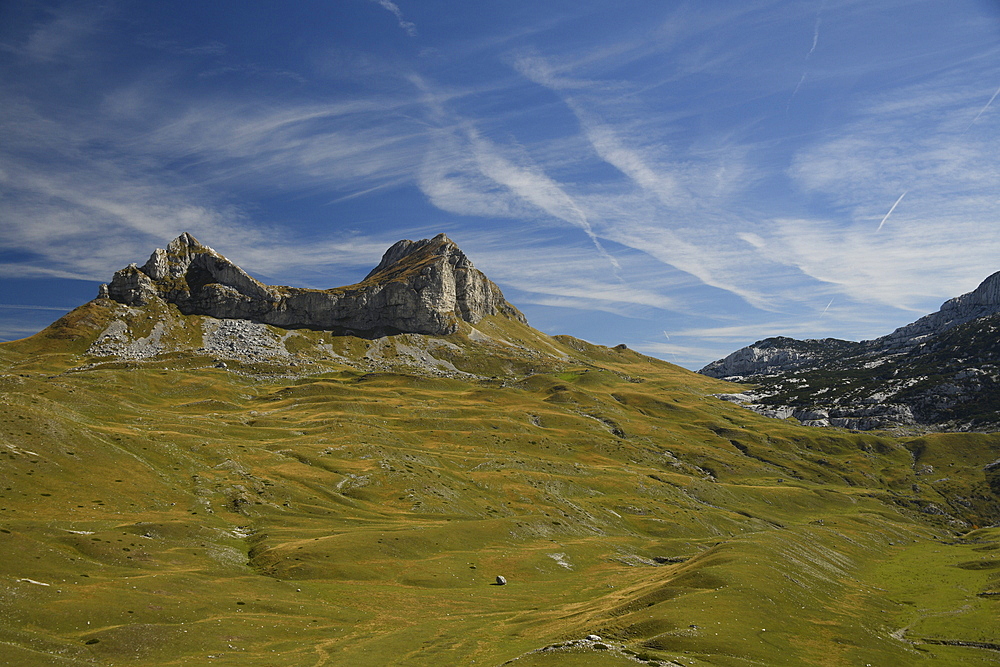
(426, 286)
(400, 250)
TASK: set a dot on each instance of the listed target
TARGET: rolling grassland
(346, 501)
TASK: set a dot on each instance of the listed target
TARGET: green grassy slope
(355, 508)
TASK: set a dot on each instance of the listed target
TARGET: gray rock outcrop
(980, 302)
(780, 354)
(774, 355)
(941, 371)
(426, 287)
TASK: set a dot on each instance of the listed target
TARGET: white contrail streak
(805, 61)
(891, 210)
(815, 37)
(828, 306)
(390, 6)
(983, 110)
(668, 340)
(796, 91)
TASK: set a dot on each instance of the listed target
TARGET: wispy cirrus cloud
(64, 33)
(938, 240)
(409, 27)
(677, 353)
(550, 274)
(465, 172)
(663, 188)
(77, 212)
(30, 326)
(532, 185)
(649, 154)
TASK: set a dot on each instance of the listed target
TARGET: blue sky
(683, 177)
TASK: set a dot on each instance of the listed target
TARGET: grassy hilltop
(350, 501)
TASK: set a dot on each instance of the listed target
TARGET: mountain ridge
(939, 371)
(169, 311)
(425, 287)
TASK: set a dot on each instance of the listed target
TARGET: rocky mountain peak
(424, 286)
(987, 294)
(980, 302)
(176, 258)
(408, 252)
(941, 370)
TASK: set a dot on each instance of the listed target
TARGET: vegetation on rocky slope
(947, 383)
(940, 372)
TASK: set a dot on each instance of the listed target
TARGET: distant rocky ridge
(424, 287)
(942, 372)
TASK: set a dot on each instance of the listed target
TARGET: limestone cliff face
(775, 355)
(980, 302)
(424, 287)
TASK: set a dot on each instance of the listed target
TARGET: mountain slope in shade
(940, 372)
